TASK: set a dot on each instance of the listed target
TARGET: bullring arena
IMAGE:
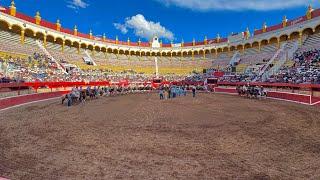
(76, 105)
(138, 137)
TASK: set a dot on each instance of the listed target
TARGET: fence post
(19, 89)
(311, 95)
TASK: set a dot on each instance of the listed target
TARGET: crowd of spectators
(306, 69)
(38, 67)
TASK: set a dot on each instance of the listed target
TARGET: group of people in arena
(250, 91)
(171, 92)
(81, 95)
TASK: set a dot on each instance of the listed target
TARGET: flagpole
(157, 68)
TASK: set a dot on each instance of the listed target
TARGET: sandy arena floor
(139, 137)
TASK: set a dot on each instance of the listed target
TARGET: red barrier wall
(225, 90)
(13, 101)
(316, 101)
(298, 98)
(290, 96)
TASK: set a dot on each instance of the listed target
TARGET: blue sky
(172, 19)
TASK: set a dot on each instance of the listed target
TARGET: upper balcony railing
(314, 14)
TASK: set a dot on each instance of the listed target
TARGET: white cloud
(144, 28)
(237, 5)
(77, 4)
(121, 27)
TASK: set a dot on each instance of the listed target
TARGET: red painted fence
(13, 101)
(225, 90)
(301, 98)
(293, 97)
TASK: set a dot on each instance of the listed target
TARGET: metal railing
(235, 58)
(90, 58)
(287, 53)
(46, 52)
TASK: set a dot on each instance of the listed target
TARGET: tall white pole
(157, 68)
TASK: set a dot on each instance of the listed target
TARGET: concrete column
(45, 41)
(22, 37)
(192, 55)
(62, 46)
(300, 38)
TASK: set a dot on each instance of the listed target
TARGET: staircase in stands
(286, 52)
(46, 52)
(271, 61)
(235, 58)
(88, 55)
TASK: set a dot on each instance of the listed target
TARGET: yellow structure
(284, 21)
(13, 9)
(218, 38)
(45, 41)
(62, 47)
(104, 38)
(264, 27)
(13, 55)
(144, 70)
(38, 18)
(117, 40)
(90, 34)
(192, 54)
(58, 24)
(22, 37)
(75, 30)
(248, 33)
(309, 12)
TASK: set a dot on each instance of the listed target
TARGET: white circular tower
(155, 42)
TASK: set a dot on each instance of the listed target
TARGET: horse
(251, 91)
(74, 96)
(70, 97)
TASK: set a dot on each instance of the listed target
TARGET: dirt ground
(140, 137)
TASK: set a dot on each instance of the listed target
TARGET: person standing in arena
(184, 91)
(161, 93)
(69, 99)
(194, 91)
